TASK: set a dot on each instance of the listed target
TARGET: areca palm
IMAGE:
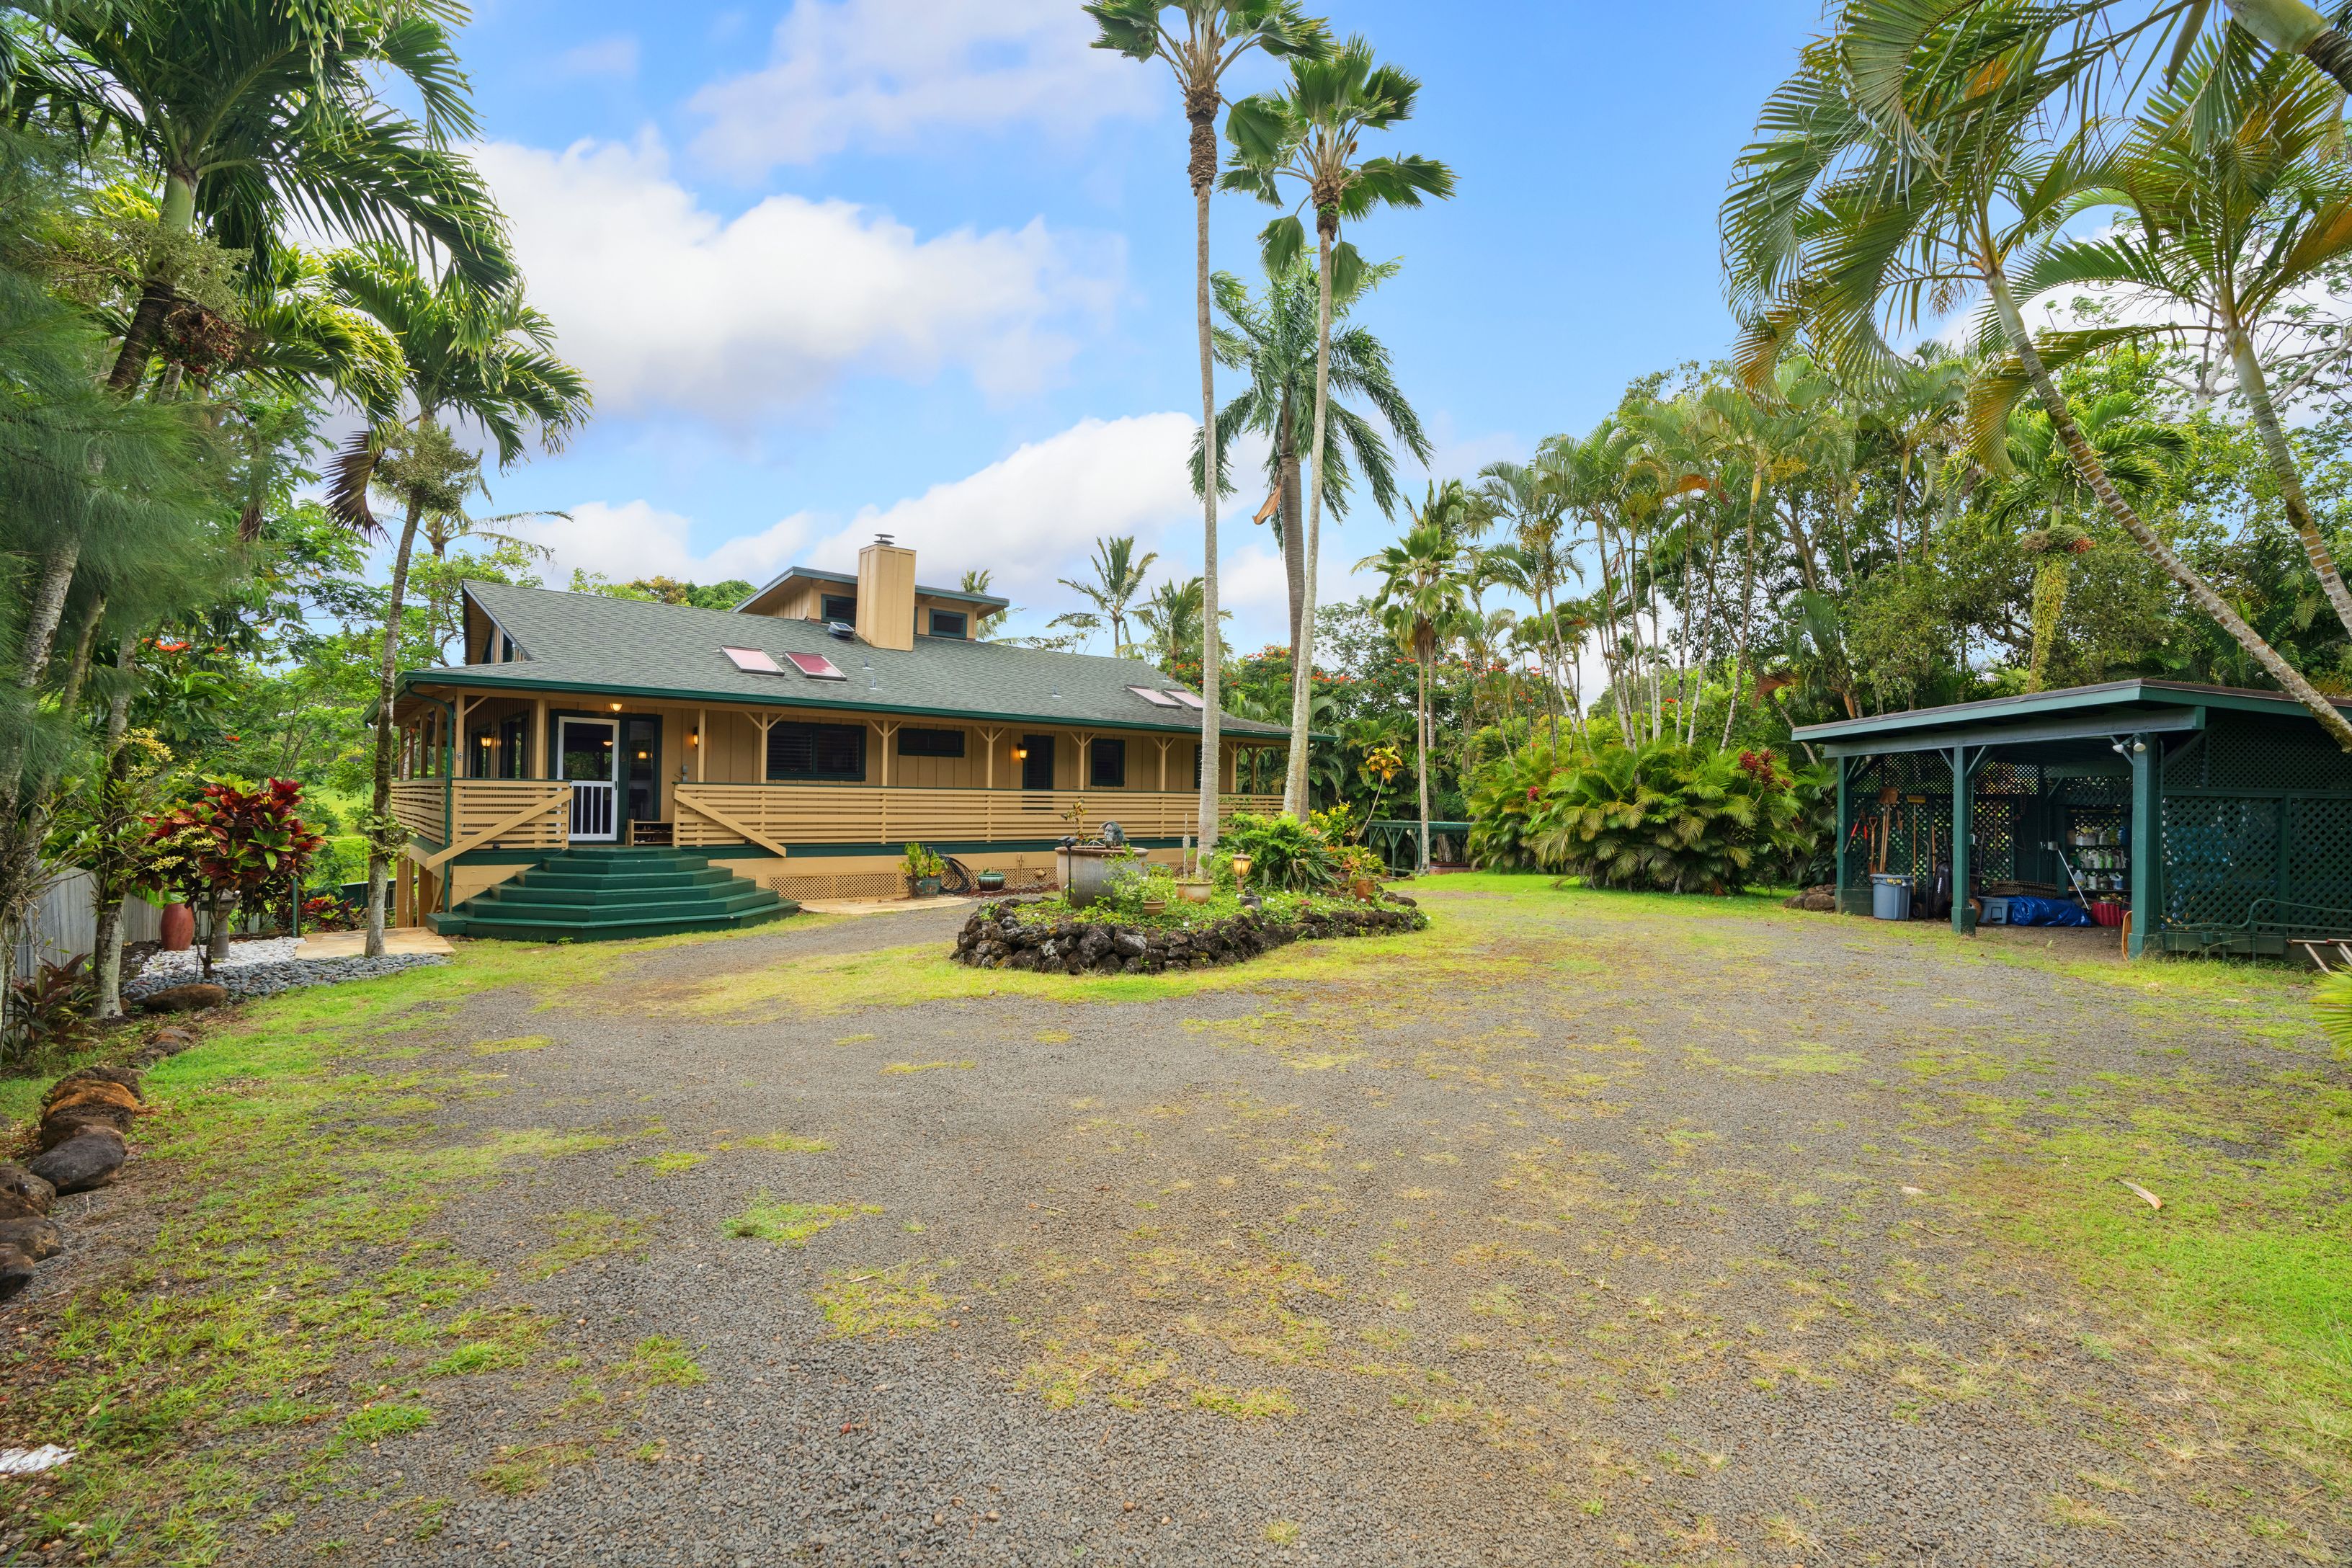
(1839, 228)
(1311, 133)
(1199, 46)
(2040, 494)
(1420, 602)
(2230, 216)
(1273, 337)
(1118, 578)
(481, 355)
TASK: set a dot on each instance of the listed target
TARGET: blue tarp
(2023, 912)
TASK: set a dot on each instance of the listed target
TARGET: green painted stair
(609, 895)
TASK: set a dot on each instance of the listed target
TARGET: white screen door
(588, 755)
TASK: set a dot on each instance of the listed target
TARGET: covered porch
(811, 802)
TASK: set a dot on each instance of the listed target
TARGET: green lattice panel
(2320, 851)
(2221, 853)
(2247, 752)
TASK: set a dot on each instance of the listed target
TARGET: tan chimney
(885, 594)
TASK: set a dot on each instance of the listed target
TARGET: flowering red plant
(230, 841)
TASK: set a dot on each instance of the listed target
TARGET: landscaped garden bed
(1047, 934)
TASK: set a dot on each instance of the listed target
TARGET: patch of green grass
(901, 1070)
(1245, 1404)
(671, 1161)
(515, 1043)
(890, 1302)
(375, 1423)
(778, 1143)
(660, 1361)
(478, 1356)
(1282, 1532)
(520, 1471)
(792, 1224)
(585, 1233)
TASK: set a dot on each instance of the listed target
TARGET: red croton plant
(231, 845)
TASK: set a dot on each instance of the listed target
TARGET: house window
(506, 648)
(816, 751)
(514, 748)
(1107, 764)
(930, 742)
(838, 607)
(948, 622)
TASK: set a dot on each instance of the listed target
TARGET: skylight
(816, 666)
(752, 661)
(1157, 699)
(1186, 698)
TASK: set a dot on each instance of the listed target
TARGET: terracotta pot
(1155, 906)
(179, 933)
(1365, 888)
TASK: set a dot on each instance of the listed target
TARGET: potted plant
(989, 881)
(923, 867)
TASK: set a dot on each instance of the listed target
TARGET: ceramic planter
(924, 887)
(990, 882)
(1195, 893)
(179, 933)
(1085, 869)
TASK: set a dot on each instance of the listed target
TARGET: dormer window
(948, 622)
(838, 607)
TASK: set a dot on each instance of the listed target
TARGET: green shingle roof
(585, 642)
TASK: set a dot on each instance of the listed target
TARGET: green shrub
(1663, 816)
(1285, 852)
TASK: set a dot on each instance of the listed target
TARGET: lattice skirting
(801, 889)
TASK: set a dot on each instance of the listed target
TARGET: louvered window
(816, 751)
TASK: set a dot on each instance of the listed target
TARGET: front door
(641, 766)
(588, 759)
(1038, 761)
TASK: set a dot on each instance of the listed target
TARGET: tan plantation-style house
(612, 767)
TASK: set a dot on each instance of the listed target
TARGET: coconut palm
(1839, 228)
(985, 625)
(484, 356)
(1199, 46)
(1311, 133)
(1273, 337)
(1420, 602)
(1118, 578)
(2230, 216)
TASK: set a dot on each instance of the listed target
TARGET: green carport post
(2147, 840)
(1845, 832)
(1963, 824)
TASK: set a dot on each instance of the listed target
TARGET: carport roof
(2076, 713)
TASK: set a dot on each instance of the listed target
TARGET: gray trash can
(1890, 896)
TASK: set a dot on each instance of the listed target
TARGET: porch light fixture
(616, 708)
(641, 756)
(1020, 753)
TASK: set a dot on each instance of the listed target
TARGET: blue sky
(837, 265)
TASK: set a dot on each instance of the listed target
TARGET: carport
(2220, 817)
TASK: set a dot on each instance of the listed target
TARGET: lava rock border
(995, 937)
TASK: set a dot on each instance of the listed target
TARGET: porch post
(538, 768)
(1963, 825)
(701, 744)
(1844, 831)
(2147, 840)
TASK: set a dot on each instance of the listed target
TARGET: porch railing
(419, 805)
(775, 814)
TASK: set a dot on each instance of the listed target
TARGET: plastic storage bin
(1996, 911)
(1890, 896)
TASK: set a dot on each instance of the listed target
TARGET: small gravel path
(1581, 1233)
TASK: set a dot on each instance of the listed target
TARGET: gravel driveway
(1581, 1232)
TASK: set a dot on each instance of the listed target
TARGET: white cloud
(667, 305)
(1030, 518)
(891, 72)
(615, 54)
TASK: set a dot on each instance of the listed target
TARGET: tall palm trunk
(2094, 475)
(387, 671)
(1420, 750)
(177, 216)
(1747, 608)
(1291, 510)
(1201, 110)
(1302, 668)
(2284, 470)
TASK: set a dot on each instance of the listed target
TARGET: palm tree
(484, 356)
(2043, 496)
(1172, 617)
(2231, 217)
(256, 114)
(1118, 578)
(1420, 603)
(1311, 133)
(1273, 337)
(1917, 412)
(1205, 39)
(984, 627)
(1840, 227)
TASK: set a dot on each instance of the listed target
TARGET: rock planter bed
(258, 966)
(1009, 936)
